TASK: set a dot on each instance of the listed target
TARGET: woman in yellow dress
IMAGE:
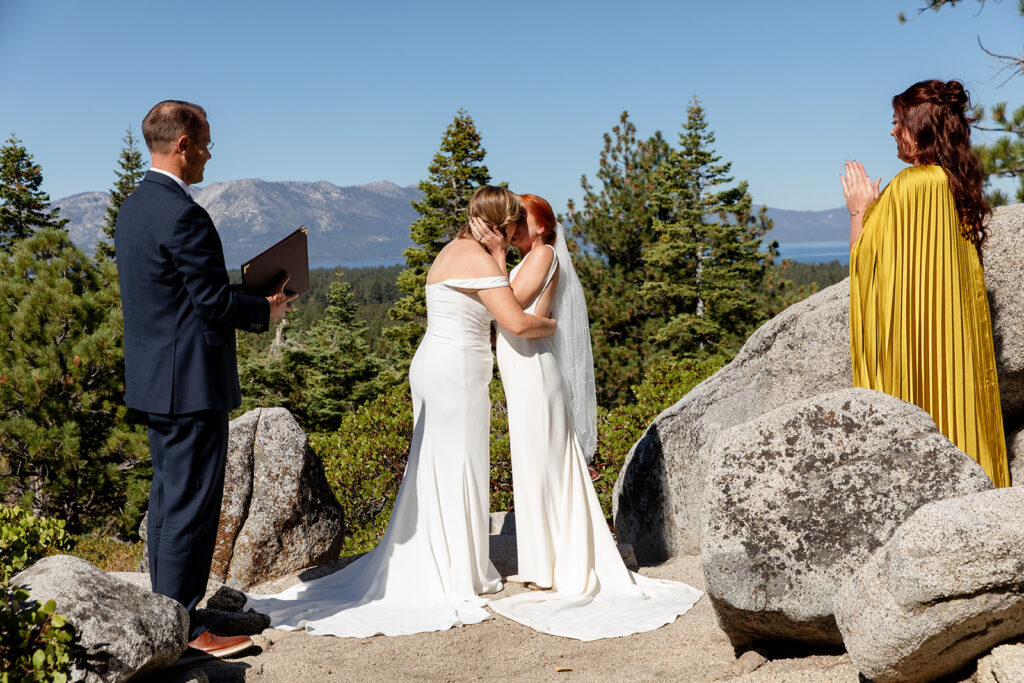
(919, 320)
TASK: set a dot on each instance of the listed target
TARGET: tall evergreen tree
(707, 267)
(614, 224)
(456, 171)
(24, 208)
(126, 178)
(68, 446)
(319, 374)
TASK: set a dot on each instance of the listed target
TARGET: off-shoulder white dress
(432, 565)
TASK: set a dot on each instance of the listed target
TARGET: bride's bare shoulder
(462, 258)
(464, 247)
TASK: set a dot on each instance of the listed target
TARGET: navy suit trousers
(189, 453)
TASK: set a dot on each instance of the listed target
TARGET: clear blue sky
(354, 93)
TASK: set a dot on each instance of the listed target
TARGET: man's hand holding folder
(288, 260)
(281, 303)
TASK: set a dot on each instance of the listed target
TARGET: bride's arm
(507, 312)
(500, 301)
(547, 298)
(530, 277)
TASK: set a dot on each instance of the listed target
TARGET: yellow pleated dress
(920, 328)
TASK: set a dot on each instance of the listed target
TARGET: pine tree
(707, 267)
(615, 225)
(24, 208)
(128, 176)
(319, 374)
(68, 446)
(456, 171)
(1003, 158)
(335, 357)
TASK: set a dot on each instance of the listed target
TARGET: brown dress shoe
(220, 646)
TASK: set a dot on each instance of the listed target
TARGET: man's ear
(181, 144)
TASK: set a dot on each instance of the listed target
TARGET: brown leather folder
(262, 274)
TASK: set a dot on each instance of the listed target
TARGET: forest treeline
(674, 264)
(374, 291)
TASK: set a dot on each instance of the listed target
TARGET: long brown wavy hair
(932, 114)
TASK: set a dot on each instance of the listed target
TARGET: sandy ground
(692, 648)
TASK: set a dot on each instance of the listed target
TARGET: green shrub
(501, 458)
(35, 642)
(24, 538)
(109, 554)
(364, 461)
(665, 382)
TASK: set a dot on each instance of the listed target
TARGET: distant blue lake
(804, 252)
(815, 252)
(348, 265)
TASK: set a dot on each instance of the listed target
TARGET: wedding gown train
(432, 564)
(562, 538)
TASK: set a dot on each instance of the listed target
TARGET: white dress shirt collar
(181, 183)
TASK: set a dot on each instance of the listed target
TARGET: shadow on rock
(641, 493)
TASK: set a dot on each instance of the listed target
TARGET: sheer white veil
(572, 349)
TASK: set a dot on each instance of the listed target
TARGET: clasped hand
(858, 188)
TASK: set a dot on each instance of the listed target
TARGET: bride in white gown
(562, 538)
(432, 564)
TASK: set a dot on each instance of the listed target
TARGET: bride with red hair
(565, 550)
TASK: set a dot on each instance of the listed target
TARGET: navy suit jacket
(180, 311)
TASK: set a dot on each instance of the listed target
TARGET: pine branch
(1015, 65)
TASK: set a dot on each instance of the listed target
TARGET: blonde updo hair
(499, 207)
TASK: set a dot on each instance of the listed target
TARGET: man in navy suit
(180, 317)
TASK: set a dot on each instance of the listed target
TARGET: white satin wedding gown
(432, 564)
(562, 538)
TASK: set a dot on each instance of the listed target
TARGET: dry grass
(109, 554)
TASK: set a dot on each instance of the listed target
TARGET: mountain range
(356, 223)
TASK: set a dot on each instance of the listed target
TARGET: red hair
(933, 114)
(539, 208)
